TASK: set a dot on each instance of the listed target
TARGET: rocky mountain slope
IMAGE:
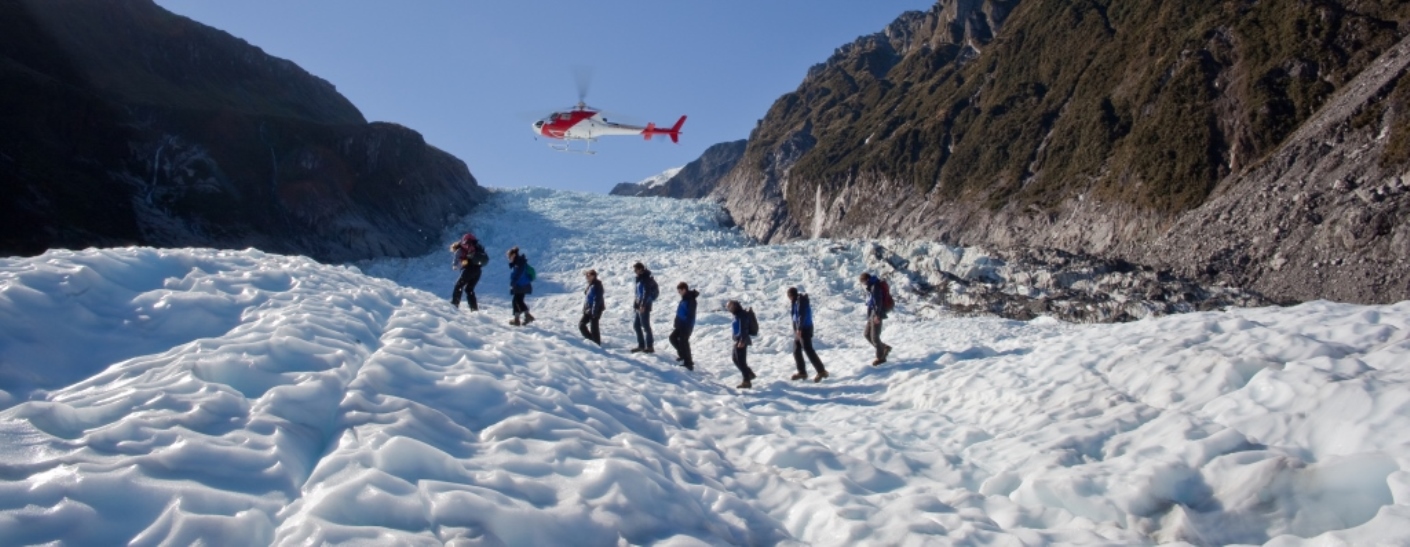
(696, 179)
(1225, 140)
(127, 124)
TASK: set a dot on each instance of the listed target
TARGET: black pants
(588, 326)
(873, 335)
(803, 343)
(469, 277)
(643, 323)
(680, 339)
(741, 362)
(519, 305)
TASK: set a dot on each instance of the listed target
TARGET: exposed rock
(628, 189)
(127, 124)
(1028, 284)
(700, 177)
(1192, 138)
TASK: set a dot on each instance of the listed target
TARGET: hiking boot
(649, 350)
(885, 351)
(875, 362)
(799, 376)
(821, 374)
(638, 350)
(530, 319)
(679, 358)
(744, 385)
(689, 366)
(514, 321)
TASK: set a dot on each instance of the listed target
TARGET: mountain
(627, 189)
(700, 177)
(696, 179)
(127, 124)
(1256, 143)
(637, 188)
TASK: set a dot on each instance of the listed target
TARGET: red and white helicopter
(583, 123)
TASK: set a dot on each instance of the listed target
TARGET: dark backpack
(653, 291)
(751, 322)
(887, 304)
(478, 257)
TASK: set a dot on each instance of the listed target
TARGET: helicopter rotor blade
(582, 76)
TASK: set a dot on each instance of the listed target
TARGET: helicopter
(584, 123)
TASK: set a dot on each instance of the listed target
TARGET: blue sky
(472, 75)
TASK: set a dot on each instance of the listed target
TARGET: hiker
(593, 305)
(646, 293)
(877, 298)
(521, 277)
(469, 257)
(741, 342)
(684, 324)
(802, 312)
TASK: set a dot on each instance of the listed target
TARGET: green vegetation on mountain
(1140, 102)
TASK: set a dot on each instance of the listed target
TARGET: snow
(236, 397)
(659, 178)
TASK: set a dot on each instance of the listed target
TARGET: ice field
(173, 397)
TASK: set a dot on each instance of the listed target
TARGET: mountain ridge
(127, 124)
(1089, 127)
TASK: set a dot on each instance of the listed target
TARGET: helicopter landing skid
(567, 146)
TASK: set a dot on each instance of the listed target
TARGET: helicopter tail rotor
(674, 132)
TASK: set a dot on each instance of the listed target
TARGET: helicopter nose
(538, 127)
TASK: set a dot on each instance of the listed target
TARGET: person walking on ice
(802, 312)
(684, 324)
(469, 257)
(745, 325)
(646, 293)
(879, 305)
(521, 277)
(593, 305)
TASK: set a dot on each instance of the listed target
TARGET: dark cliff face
(126, 124)
(1093, 127)
(700, 177)
(628, 189)
(694, 180)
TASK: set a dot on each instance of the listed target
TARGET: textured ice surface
(182, 396)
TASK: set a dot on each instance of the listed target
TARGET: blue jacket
(642, 298)
(802, 313)
(519, 276)
(594, 303)
(685, 312)
(874, 308)
(740, 334)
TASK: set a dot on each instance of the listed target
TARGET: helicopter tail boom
(674, 132)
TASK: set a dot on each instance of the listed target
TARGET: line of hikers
(470, 257)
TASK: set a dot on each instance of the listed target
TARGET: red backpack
(887, 304)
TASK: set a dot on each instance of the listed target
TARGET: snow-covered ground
(180, 396)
